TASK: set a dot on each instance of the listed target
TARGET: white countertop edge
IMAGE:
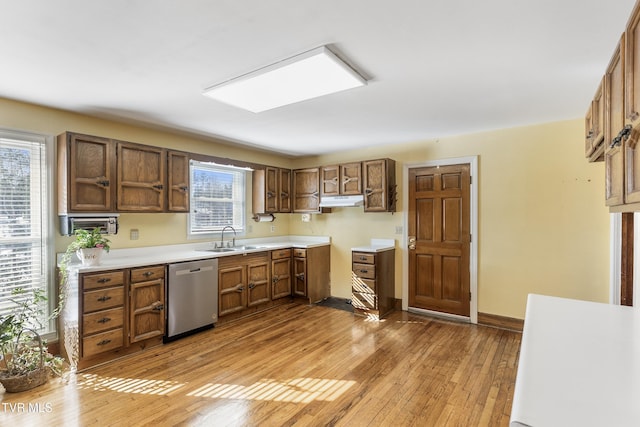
(166, 254)
(376, 245)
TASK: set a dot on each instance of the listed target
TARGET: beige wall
(543, 226)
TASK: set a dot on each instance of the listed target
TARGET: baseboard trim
(501, 322)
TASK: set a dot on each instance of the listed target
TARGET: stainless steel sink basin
(222, 250)
(253, 247)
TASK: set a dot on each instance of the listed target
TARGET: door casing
(473, 250)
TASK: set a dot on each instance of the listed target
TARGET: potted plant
(89, 246)
(25, 362)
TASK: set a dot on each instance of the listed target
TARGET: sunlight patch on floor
(126, 385)
(297, 390)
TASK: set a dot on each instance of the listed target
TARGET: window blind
(218, 195)
(23, 221)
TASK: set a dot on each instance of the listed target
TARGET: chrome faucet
(222, 236)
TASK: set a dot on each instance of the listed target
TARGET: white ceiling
(436, 67)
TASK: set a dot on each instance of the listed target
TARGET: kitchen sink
(235, 249)
(222, 250)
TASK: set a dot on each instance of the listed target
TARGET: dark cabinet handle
(184, 188)
(104, 342)
(363, 258)
(103, 182)
(283, 194)
(252, 285)
(158, 186)
(158, 307)
(104, 298)
(364, 271)
(269, 194)
(104, 280)
(275, 279)
(147, 273)
(104, 320)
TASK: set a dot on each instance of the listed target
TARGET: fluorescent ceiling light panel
(309, 75)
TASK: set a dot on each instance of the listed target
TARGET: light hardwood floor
(293, 365)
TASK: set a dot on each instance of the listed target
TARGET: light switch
(134, 234)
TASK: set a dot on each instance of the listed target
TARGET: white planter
(90, 256)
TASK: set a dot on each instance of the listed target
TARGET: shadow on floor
(339, 303)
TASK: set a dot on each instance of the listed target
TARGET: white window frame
(240, 197)
(46, 216)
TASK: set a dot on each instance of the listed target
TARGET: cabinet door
(258, 284)
(178, 181)
(330, 180)
(632, 68)
(379, 185)
(232, 289)
(614, 123)
(351, 178)
(588, 131)
(284, 184)
(306, 187)
(141, 178)
(86, 173)
(300, 276)
(280, 278)
(146, 308)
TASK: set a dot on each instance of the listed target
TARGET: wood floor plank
(294, 365)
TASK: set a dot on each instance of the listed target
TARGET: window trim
(48, 214)
(241, 231)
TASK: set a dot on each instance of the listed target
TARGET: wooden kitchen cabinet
(594, 127)
(280, 273)
(146, 303)
(243, 281)
(379, 182)
(344, 179)
(614, 148)
(177, 181)
(271, 190)
(306, 190)
(112, 313)
(312, 273)
(86, 173)
(141, 185)
(373, 283)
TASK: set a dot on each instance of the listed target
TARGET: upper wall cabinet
(344, 179)
(614, 124)
(271, 190)
(306, 190)
(141, 178)
(594, 127)
(177, 181)
(86, 174)
(103, 175)
(379, 181)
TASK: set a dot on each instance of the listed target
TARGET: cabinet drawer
(103, 299)
(101, 280)
(105, 341)
(147, 273)
(281, 253)
(366, 271)
(363, 258)
(102, 321)
(364, 301)
(367, 286)
(299, 253)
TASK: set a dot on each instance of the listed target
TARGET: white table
(579, 365)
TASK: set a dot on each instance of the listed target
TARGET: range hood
(341, 201)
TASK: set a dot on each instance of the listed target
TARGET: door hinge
(470, 238)
(469, 296)
(470, 180)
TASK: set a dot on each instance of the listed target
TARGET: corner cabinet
(111, 314)
(379, 182)
(271, 190)
(86, 173)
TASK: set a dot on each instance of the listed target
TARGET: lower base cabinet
(243, 281)
(373, 283)
(311, 273)
(111, 314)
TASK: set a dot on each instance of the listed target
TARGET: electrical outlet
(134, 234)
(306, 217)
(273, 228)
(398, 229)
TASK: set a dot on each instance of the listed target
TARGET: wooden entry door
(439, 238)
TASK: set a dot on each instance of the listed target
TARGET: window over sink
(218, 198)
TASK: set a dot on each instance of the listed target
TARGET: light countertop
(579, 365)
(135, 257)
(376, 245)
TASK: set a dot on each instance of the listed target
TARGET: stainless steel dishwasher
(192, 297)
